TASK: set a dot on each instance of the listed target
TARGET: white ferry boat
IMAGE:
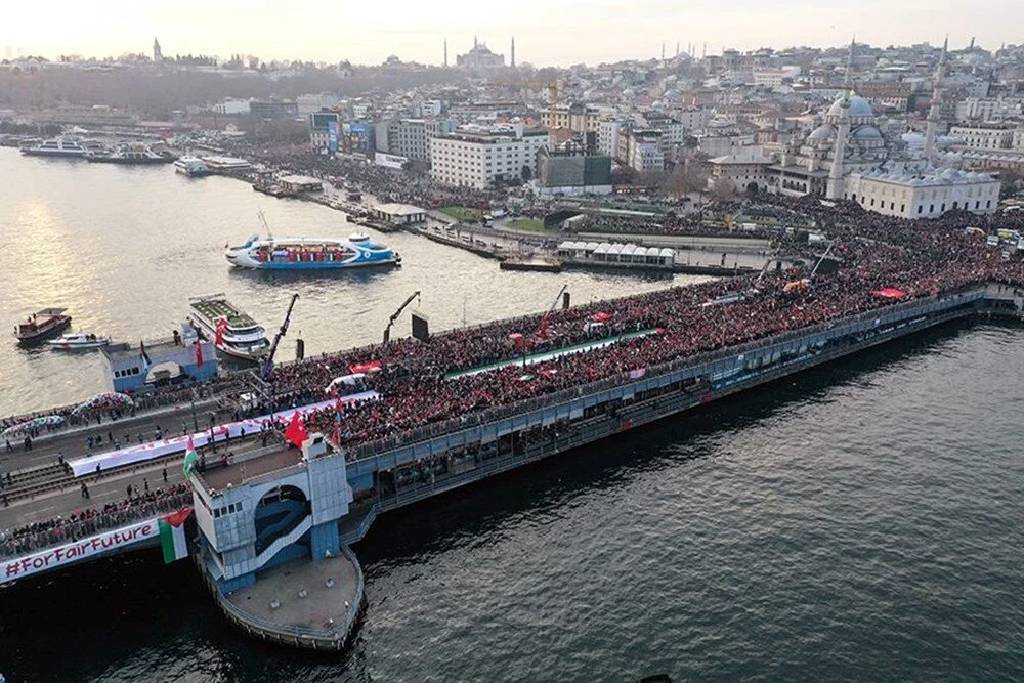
(65, 147)
(78, 340)
(311, 253)
(193, 167)
(233, 332)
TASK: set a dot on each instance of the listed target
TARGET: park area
(463, 213)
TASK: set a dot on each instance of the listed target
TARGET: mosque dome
(859, 107)
(820, 133)
(867, 133)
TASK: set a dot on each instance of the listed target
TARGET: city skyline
(543, 34)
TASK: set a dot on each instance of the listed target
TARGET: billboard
(358, 138)
(389, 160)
(332, 137)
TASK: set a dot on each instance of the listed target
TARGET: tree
(723, 188)
(685, 179)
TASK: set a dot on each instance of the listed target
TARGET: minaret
(444, 59)
(704, 52)
(834, 187)
(474, 41)
(158, 54)
(513, 60)
(934, 113)
(849, 62)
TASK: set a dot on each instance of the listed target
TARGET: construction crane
(394, 316)
(542, 329)
(268, 362)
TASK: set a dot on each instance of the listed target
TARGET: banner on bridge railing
(75, 551)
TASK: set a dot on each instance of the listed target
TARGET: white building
(773, 78)
(925, 195)
(608, 138)
(642, 150)
(747, 169)
(989, 108)
(231, 107)
(481, 158)
(314, 102)
(984, 136)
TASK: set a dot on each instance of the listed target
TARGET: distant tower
(704, 52)
(513, 60)
(158, 55)
(663, 51)
(444, 61)
(834, 186)
(932, 131)
(474, 41)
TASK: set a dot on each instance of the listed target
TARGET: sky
(547, 32)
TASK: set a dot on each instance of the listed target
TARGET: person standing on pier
(85, 491)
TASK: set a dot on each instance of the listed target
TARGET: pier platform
(305, 603)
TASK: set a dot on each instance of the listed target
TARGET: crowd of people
(84, 523)
(872, 252)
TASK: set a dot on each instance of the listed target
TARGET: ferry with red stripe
(311, 253)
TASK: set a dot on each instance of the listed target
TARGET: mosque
(848, 157)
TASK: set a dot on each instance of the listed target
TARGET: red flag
(199, 353)
(222, 325)
(296, 431)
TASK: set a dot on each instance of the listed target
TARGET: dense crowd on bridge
(874, 253)
(89, 521)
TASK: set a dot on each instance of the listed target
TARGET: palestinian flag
(172, 535)
(190, 457)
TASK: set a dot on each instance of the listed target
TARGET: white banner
(158, 449)
(52, 558)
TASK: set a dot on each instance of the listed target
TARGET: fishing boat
(233, 331)
(78, 340)
(300, 253)
(42, 324)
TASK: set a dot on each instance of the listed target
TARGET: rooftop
(247, 458)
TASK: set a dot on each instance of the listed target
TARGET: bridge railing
(24, 540)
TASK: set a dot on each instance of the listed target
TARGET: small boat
(42, 324)
(78, 340)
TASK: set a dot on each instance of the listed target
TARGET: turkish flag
(199, 353)
(222, 325)
(296, 431)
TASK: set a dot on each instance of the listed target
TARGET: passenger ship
(64, 147)
(311, 253)
(240, 335)
(193, 167)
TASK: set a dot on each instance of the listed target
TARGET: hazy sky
(548, 32)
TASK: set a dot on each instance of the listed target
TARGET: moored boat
(233, 331)
(78, 340)
(193, 167)
(42, 324)
(129, 153)
(63, 147)
(302, 253)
